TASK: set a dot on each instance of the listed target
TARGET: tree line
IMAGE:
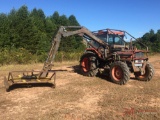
(152, 40)
(29, 33)
(25, 36)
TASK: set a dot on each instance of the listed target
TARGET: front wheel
(88, 65)
(147, 76)
(119, 72)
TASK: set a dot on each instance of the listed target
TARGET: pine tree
(4, 31)
(73, 21)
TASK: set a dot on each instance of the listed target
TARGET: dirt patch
(79, 97)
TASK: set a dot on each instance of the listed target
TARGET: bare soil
(77, 97)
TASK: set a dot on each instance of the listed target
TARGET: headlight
(136, 61)
(139, 61)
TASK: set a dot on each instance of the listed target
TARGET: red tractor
(116, 58)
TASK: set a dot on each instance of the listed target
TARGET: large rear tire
(149, 72)
(119, 73)
(88, 65)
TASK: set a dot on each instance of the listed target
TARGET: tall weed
(23, 56)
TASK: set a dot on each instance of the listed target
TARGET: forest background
(25, 37)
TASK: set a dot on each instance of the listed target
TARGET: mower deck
(28, 78)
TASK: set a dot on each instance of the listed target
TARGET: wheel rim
(85, 65)
(117, 73)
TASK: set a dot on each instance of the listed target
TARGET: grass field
(77, 97)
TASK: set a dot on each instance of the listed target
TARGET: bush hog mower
(107, 52)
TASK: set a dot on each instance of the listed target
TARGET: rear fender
(94, 51)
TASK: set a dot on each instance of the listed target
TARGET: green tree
(38, 18)
(152, 40)
(63, 21)
(50, 28)
(4, 31)
(73, 21)
(31, 32)
(55, 18)
(39, 31)
(13, 26)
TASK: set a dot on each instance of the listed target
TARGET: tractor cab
(114, 38)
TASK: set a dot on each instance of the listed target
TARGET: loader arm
(63, 32)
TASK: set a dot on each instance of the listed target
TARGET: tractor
(107, 51)
(116, 58)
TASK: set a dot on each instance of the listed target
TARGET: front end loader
(46, 75)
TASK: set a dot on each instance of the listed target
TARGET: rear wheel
(147, 76)
(88, 64)
(119, 73)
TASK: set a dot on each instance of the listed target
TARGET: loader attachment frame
(39, 77)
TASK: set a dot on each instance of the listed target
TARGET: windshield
(112, 38)
(102, 37)
(116, 40)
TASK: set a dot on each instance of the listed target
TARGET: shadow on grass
(29, 85)
(76, 69)
(104, 76)
(133, 78)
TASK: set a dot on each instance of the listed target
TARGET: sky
(134, 16)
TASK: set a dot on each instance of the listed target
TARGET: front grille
(139, 55)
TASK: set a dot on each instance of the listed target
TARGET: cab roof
(109, 31)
